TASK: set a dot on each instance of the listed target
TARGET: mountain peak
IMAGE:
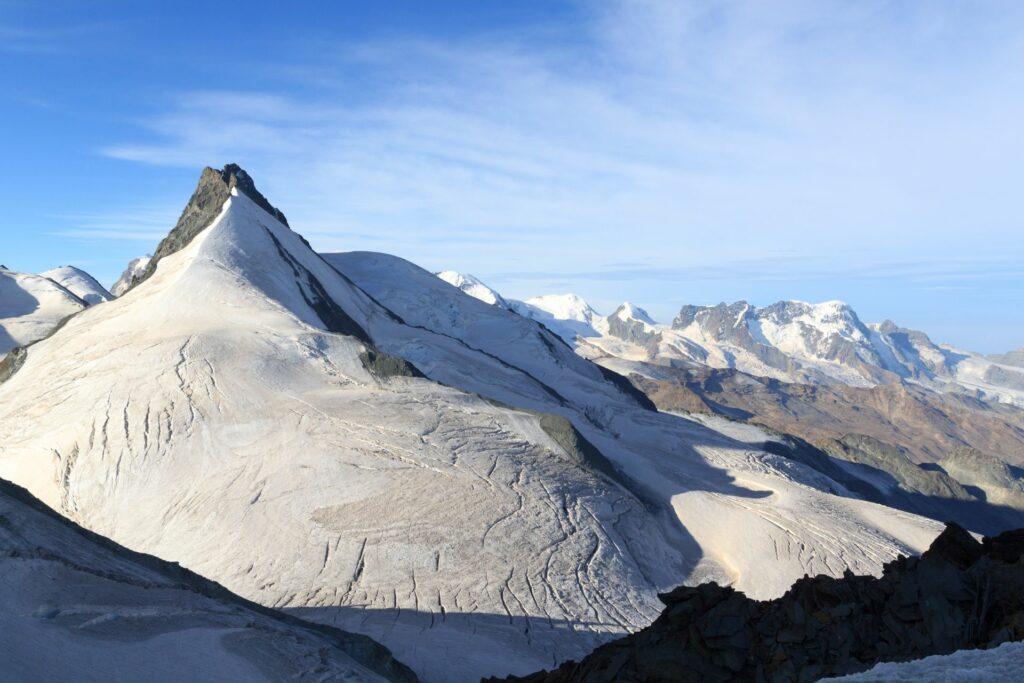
(628, 311)
(236, 177)
(212, 191)
(80, 283)
(567, 306)
(472, 286)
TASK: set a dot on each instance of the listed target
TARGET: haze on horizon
(661, 152)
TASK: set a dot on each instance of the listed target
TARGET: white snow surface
(567, 315)
(73, 608)
(209, 417)
(31, 306)
(628, 311)
(79, 283)
(473, 286)
(1001, 664)
(136, 267)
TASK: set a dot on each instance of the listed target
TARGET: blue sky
(664, 152)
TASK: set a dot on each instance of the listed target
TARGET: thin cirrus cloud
(135, 224)
(851, 135)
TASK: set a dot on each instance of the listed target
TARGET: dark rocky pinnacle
(204, 206)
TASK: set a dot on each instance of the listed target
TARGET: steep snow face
(31, 306)
(74, 606)
(136, 267)
(79, 283)
(473, 287)
(516, 507)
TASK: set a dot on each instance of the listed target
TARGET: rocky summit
(960, 594)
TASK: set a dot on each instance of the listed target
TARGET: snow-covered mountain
(567, 315)
(136, 268)
(79, 283)
(31, 306)
(792, 341)
(351, 439)
(473, 287)
(76, 607)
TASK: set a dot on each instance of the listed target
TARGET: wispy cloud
(135, 224)
(691, 137)
(21, 37)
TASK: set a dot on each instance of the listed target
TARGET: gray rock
(204, 206)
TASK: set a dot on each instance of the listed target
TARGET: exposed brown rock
(927, 425)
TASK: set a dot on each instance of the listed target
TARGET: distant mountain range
(792, 341)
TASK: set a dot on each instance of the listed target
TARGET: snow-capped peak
(472, 286)
(31, 306)
(628, 311)
(564, 307)
(79, 283)
(136, 267)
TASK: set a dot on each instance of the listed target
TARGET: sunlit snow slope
(31, 306)
(79, 283)
(243, 411)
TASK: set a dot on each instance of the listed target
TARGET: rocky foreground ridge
(960, 594)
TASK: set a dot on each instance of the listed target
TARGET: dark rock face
(960, 594)
(384, 366)
(12, 362)
(626, 387)
(630, 330)
(213, 190)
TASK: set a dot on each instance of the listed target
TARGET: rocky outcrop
(960, 594)
(12, 362)
(385, 366)
(907, 475)
(203, 207)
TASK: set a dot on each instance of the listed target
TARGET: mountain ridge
(789, 340)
